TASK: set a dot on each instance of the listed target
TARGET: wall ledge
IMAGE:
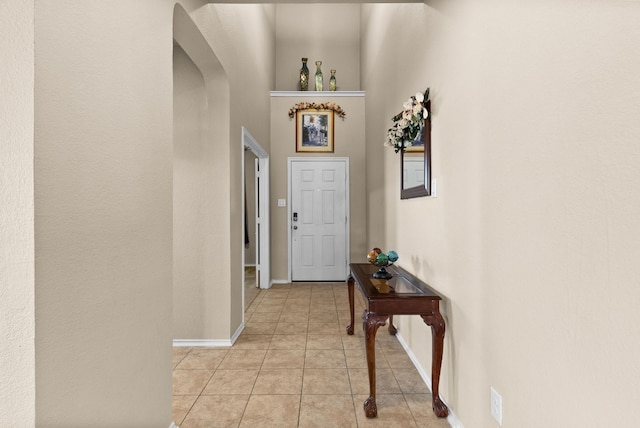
(312, 94)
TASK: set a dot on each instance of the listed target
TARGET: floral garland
(321, 106)
(408, 124)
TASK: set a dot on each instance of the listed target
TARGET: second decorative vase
(319, 80)
(332, 81)
(304, 76)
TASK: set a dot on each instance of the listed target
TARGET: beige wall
(103, 198)
(321, 32)
(17, 310)
(219, 40)
(103, 213)
(202, 262)
(193, 296)
(533, 237)
(348, 142)
(232, 31)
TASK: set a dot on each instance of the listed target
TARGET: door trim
(347, 240)
(264, 261)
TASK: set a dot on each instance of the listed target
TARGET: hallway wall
(533, 237)
(193, 208)
(17, 264)
(103, 212)
(103, 197)
(349, 141)
(232, 30)
(320, 32)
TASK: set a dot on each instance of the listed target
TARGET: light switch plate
(496, 406)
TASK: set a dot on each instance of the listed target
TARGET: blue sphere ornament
(393, 256)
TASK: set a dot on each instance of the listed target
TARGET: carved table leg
(437, 337)
(371, 323)
(392, 329)
(350, 282)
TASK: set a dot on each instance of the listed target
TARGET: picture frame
(314, 131)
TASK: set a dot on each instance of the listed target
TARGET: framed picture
(314, 130)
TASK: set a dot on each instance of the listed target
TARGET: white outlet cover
(496, 406)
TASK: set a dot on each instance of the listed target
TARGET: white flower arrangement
(408, 124)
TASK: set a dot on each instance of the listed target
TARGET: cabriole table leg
(436, 322)
(371, 323)
(350, 282)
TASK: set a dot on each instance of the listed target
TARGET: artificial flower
(408, 124)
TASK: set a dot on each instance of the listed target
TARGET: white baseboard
(279, 281)
(237, 333)
(452, 419)
(211, 343)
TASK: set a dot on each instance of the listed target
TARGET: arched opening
(201, 182)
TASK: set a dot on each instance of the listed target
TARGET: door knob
(295, 227)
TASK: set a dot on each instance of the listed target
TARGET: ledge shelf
(311, 94)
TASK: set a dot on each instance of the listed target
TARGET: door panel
(318, 223)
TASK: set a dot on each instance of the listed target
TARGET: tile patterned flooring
(295, 366)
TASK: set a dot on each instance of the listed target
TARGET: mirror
(415, 165)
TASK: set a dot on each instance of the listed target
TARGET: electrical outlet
(496, 406)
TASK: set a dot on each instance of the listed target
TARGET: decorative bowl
(377, 258)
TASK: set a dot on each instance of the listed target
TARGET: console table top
(401, 285)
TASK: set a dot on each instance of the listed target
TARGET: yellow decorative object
(317, 106)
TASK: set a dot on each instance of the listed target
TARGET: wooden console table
(403, 294)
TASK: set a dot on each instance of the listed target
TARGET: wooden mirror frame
(425, 190)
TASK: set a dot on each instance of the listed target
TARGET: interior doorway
(255, 207)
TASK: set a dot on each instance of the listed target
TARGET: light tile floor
(295, 366)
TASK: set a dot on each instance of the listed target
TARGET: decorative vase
(304, 75)
(319, 81)
(332, 81)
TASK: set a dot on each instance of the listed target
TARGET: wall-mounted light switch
(282, 202)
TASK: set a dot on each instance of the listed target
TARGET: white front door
(318, 219)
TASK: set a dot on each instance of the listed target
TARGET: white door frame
(263, 261)
(347, 211)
